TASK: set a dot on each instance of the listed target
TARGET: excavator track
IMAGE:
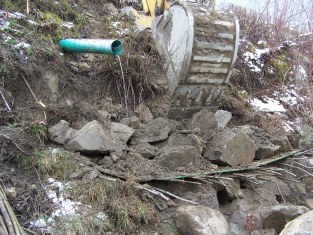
(198, 80)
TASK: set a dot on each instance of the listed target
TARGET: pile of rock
(205, 138)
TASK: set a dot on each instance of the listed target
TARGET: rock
(229, 190)
(230, 148)
(121, 132)
(91, 138)
(265, 148)
(204, 124)
(146, 150)
(222, 118)
(154, 131)
(185, 139)
(200, 220)
(110, 9)
(275, 186)
(144, 113)
(283, 142)
(131, 122)
(302, 225)
(116, 155)
(204, 194)
(180, 156)
(61, 132)
(276, 217)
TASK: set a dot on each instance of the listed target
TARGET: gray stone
(185, 139)
(204, 124)
(144, 113)
(116, 155)
(222, 118)
(146, 150)
(276, 217)
(131, 122)
(180, 156)
(61, 132)
(265, 148)
(302, 225)
(91, 138)
(230, 190)
(200, 220)
(154, 131)
(275, 186)
(121, 132)
(283, 142)
(230, 148)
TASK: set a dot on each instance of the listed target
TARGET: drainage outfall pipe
(98, 46)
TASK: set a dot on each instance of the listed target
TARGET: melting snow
(269, 105)
(63, 206)
(254, 60)
(68, 25)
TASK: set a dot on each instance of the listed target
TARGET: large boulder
(91, 138)
(185, 139)
(61, 132)
(302, 225)
(200, 220)
(275, 186)
(133, 122)
(204, 124)
(231, 148)
(276, 217)
(146, 150)
(265, 148)
(180, 156)
(153, 131)
(121, 132)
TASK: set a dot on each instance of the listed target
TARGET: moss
(281, 65)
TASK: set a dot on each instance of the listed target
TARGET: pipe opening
(117, 47)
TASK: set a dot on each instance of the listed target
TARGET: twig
(285, 164)
(174, 196)
(28, 231)
(5, 101)
(280, 192)
(154, 192)
(32, 93)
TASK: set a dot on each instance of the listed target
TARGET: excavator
(200, 46)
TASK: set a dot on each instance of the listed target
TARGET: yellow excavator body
(200, 46)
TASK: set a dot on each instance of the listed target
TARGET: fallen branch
(5, 101)
(174, 196)
(39, 102)
(153, 192)
(254, 166)
(8, 222)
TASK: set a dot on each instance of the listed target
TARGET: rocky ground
(72, 162)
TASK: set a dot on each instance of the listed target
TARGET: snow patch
(269, 105)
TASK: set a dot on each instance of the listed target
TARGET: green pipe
(98, 46)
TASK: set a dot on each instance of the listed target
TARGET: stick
(32, 93)
(5, 102)
(154, 192)
(174, 196)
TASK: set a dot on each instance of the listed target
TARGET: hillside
(77, 159)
